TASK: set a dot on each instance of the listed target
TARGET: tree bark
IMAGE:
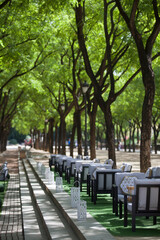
(79, 132)
(59, 138)
(51, 124)
(133, 134)
(63, 137)
(92, 117)
(73, 135)
(56, 139)
(147, 121)
(110, 135)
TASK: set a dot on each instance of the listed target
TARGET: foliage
(36, 55)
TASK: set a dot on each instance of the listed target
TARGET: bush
(13, 141)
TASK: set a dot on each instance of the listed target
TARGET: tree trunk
(110, 135)
(73, 134)
(45, 137)
(146, 123)
(137, 135)
(124, 137)
(51, 122)
(36, 144)
(155, 139)
(92, 117)
(4, 132)
(56, 139)
(72, 137)
(133, 142)
(63, 137)
(59, 139)
(79, 132)
(156, 133)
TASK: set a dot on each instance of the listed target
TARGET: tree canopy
(49, 48)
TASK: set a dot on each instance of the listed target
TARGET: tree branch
(2, 5)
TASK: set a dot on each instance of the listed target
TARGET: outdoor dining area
(131, 195)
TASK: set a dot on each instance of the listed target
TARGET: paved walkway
(11, 216)
(11, 227)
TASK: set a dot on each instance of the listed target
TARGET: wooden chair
(145, 201)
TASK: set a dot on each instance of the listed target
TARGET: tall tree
(143, 21)
(107, 75)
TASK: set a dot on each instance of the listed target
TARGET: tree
(143, 21)
(116, 45)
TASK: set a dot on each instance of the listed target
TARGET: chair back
(109, 161)
(64, 165)
(126, 167)
(79, 157)
(153, 172)
(85, 170)
(147, 195)
(105, 180)
(96, 160)
(73, 165)
(119, 177)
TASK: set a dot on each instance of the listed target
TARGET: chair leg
(116, 202)
(154, 220)
(81, 185)
(120, 209)
(88, 185)
(133, 213)
(133, 222)
(94, 192)
(125, 211)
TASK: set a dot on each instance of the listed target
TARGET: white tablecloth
(93, 166)
(58, 157)
(105, 170)
(81, 163)
(72, 160)
(61, 158)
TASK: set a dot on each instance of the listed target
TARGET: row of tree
(50, 50)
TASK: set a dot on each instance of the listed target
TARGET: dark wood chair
(69, 172)
(118, 192)
(82, 176)
(52, 160)
(102, 184)
(145, 201)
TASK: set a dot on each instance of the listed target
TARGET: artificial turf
(102, 212)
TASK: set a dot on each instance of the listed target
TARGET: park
(80, 79)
